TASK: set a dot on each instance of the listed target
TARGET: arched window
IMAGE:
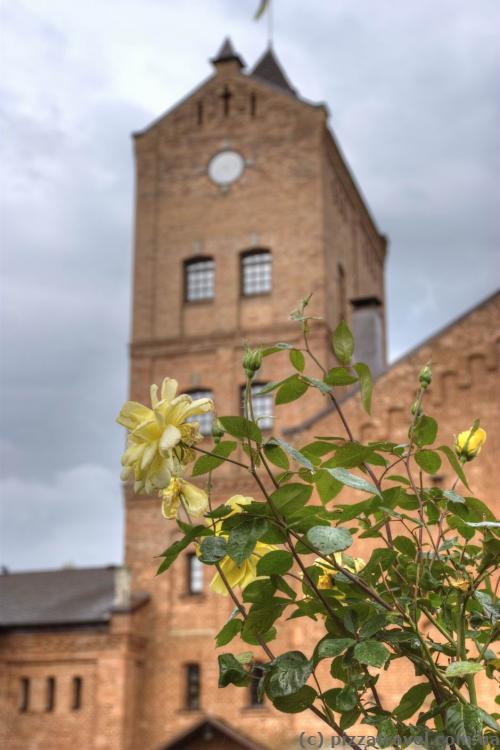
(50, 695)
(76, 694)
(204, 420)
(263, 405)
(199, 279)
(256, 272)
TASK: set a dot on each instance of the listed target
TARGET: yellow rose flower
(461, 584)
(160, 438)
(326, 580)
(469, 443)
(179, 492)
(238, 575)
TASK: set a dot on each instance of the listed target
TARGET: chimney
(122, 588)
(368, 332)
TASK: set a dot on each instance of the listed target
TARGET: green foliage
(435, 554)
(343, 343)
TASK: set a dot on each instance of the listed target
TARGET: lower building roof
(70, 596)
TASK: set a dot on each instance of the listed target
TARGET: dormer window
(199, 276)
(256, 272)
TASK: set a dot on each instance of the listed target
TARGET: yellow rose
(179, 492)
(469, 443)
(461, 584)
(238, 575)
(160, 438)
(352, 564)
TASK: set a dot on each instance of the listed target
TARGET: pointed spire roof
(226, 53)
(268, 69)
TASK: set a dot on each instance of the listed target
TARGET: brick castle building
(244, 205)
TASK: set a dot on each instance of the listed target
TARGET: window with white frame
(204, 420)
(256, 272)
(199, 274)
(263, 405)
(194, 574)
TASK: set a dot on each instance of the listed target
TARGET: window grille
(199, 279)
(256, 273)
(192, 686)
(263, 406)
(204, 420)
(195, 574)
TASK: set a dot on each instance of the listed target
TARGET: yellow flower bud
(469, 443)
(425, 376)
(252, 361)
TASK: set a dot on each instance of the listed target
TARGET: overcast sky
(412, 88)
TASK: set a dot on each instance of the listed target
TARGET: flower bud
(425, 376)
(416, 409)
(252, 361)
(217, 430)
(468, 444)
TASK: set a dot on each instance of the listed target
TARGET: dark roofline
(221, 726)
(44, 571)
(310, 421)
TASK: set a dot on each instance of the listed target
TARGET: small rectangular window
(76, 695)
(24, 694)
(263, 406)
(204, 420)
(50, 695)
(195, 574)
(193, 686)
(255, 700)
(256, 273)
(199, 279)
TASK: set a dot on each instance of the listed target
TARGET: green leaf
(291, 389)
(339, 376)
(343, 343)
(276, 455)
(231, 672)
(297, 359)
(346, 699)
(348, 456)
(425, 430)
(328, 487)
(405, 545)
(429, 461)
(208, 463)
(387, 733)
(243, 538)
(366, 383)
(295, 454)
(241, 428)
(484, 524)
(319, 384)
(172, 553)
(411, 701)
(291, 497)
(288, 673)
(351, 480)
(463, 723)
(462, 668)
(453, 496)
(296, 702)
(276, 562)
(455, 465)
(373, 625)
(259, 620)
(372, 653)
(329, 539)
(228, 632)
(331, 647)
(212, 549)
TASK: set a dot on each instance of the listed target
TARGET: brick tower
(244, 205)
